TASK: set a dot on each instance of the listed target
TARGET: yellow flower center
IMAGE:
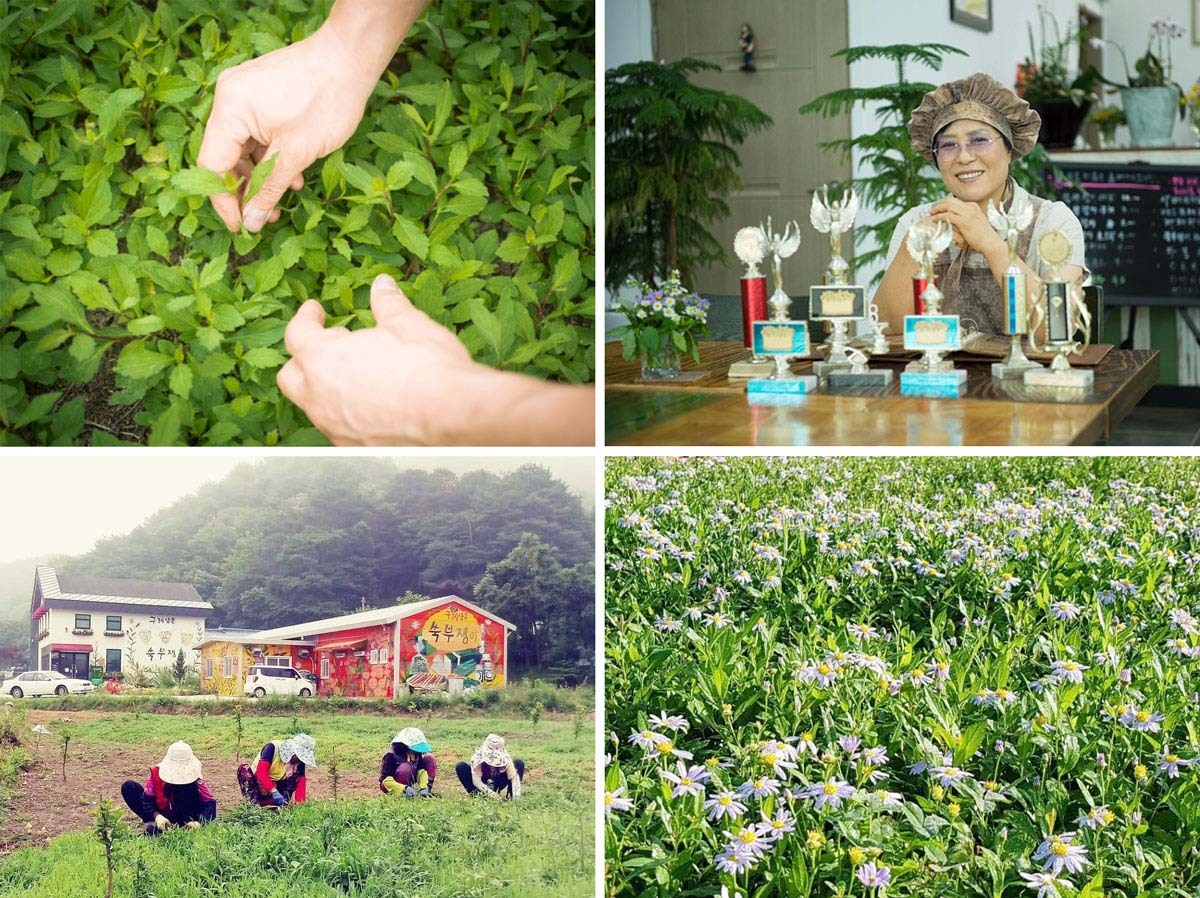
(830, 789)
(684, 781)
(666, 747)
(769, 759)
(1059, 848)
(725, 801)
(823, 668)
(748, 836)
(1140, 771)
(1142, 716)
(1171, 759)
(608, 799)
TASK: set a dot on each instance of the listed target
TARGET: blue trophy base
(790, 391)
(935, 384)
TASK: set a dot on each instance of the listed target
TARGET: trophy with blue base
(1009, 224)
(780, 338)
(837, 301)
(1062, 309)
(931, 333)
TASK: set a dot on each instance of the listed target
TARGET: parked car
(312, 678)
(264, 680)
(44, 682)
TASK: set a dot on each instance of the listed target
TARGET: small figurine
(746, 45)
(880, 346)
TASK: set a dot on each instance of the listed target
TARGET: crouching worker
(410, 767)
(492, 770)
(174, 795)
(279, 776)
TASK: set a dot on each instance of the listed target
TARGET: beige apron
(972, 293)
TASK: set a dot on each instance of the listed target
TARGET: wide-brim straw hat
(302, 747)
(493, 752)
(979, 97)
(179, 765)
(413, 738)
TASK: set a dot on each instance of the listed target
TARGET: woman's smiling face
(973, 160)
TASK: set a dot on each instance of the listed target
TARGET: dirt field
(45, 806)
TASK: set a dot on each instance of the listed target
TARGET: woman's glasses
(950, 149)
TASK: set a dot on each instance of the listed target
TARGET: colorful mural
(452, 647)
(359, 662)
(244, 656)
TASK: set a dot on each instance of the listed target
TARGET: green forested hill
(295, 539)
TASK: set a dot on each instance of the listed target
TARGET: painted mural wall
(363, 668)
(243, 659)
(452, 647)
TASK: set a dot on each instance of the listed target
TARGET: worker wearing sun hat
(972, 130)
(409, 768)
(280, 775)
(492, 770)
(174, 795)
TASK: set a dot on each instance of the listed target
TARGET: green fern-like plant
(671, 159)
(902, 177)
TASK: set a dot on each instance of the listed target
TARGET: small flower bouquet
(1191, 102)
(1108, 119)
(664, 323)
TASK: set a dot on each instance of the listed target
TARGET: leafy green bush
(129, 313)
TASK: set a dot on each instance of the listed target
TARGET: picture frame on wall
(978, 13)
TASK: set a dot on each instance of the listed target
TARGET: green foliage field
(905, 677)
(129, 314)
(450, 847)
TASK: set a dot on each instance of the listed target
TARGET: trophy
(1016, 314)
(780, 338)
(750, 245)
(880, 345)
(1062, 309)
(920, 247)
(859, 374)
(931, 332)
(837, 300)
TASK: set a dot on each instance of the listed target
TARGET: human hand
(298, 103)
(161, 822)
(968, 222)
(277, 798)
(387, 385)
(192, 824)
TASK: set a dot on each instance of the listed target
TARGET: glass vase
(662, 365)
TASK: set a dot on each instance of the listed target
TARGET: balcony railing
(79, 632)
(114, 632)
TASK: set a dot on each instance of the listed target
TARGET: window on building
(324, 668)
(227, 666)
(112, 659)
(208, 668)
(279, 661)
(83, 622)
(112, 622)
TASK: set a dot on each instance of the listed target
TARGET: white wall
(1128, 24)
(142, 632)
(627, 32)
(996, 52)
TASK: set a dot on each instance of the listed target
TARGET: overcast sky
(61, 505)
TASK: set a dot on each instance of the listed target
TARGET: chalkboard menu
(1142, 225)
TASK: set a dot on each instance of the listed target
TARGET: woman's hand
(298, 103)
(970, 225)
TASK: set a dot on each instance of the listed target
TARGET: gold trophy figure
(837, 301)
(1062, 308)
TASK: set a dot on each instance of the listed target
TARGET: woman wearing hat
(280, 774)
(410, 767)
(174, 795)
(972, 130)
(492, 770)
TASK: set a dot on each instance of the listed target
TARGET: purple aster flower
(873, 877)
(614, 801)
(687, 780)
(1058, 853)
(724, 804)
(831, 792)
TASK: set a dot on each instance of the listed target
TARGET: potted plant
(664, 323)
(1107, 119)
(1044, 80)
(1151, 98)
(1192, 104)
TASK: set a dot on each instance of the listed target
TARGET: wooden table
(712, 410)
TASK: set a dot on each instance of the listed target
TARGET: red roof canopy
(340, 644)
(70, 647)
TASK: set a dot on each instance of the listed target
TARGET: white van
(269, 680)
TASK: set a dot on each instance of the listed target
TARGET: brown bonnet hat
(978, 97)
